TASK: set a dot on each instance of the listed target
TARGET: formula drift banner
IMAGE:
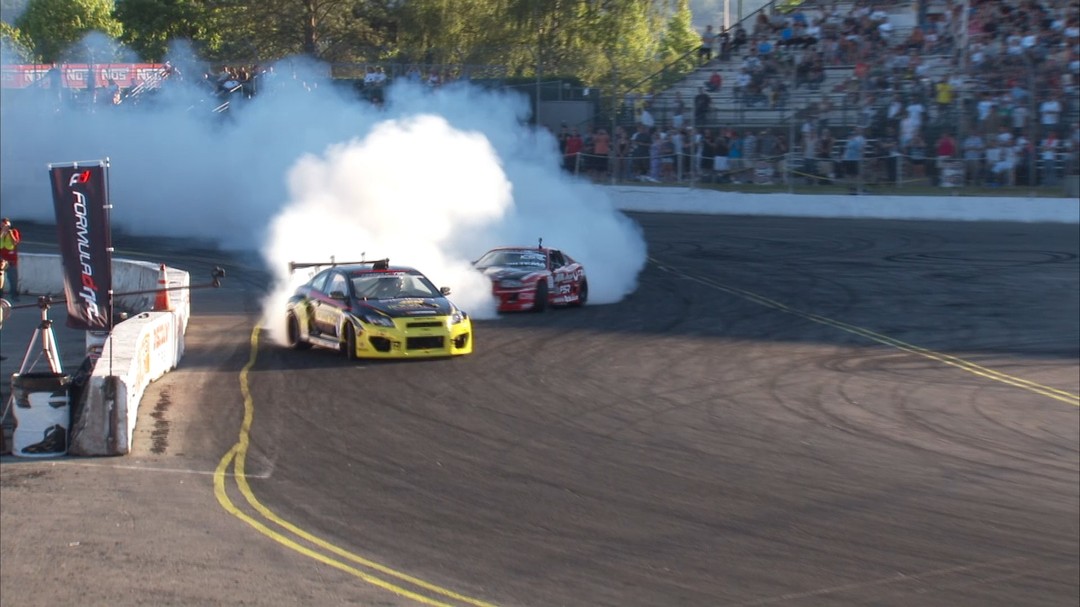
(82, 226)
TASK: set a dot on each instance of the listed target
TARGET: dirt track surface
(786, 412)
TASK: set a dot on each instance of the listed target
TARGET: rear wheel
(541, 301)
(293, 328)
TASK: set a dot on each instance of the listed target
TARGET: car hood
(419, 307)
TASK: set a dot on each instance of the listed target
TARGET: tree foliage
(15, 45)
(56, 25)
(150, 26)
(604, 43)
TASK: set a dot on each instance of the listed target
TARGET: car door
(563, 275)
(332, 304)
(312, 292)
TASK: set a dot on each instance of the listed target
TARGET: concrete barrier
(138, 351)
(43, 274)
(946, 208)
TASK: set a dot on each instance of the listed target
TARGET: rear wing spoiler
(378, 264)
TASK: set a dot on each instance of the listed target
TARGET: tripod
(44, 332)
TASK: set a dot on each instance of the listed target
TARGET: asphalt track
(786, 412)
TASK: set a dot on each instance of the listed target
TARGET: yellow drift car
(371, 309)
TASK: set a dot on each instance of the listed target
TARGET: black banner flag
(80, 192)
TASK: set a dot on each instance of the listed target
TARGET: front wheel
(541, 301)
(350, 342)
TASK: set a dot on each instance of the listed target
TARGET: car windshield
(518, 258)
(381, 285)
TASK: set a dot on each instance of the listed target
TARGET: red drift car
(533, 278)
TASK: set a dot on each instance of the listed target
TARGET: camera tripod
(43, 332)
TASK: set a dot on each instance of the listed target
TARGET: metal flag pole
(108, 255)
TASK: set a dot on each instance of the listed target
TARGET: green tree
(15, 46)
(55, 25)
(679, 36)
(331, 30)
(150, 26)
(545, 38)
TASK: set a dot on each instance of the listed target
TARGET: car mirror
(337, 295)
(444, 290)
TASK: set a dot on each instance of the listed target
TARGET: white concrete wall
(953, 208)
(139, 351)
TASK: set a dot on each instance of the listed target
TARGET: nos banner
(80, 195)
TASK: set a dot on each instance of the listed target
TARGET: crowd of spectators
(997, 101)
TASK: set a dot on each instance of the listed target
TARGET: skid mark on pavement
(947, 359)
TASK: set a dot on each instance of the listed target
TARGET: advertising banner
(80, 195)
(78, 75)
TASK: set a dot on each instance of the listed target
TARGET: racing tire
(350, 342)
(540, 303)
(293, 332)
(583, 294)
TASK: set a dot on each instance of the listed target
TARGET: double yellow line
(946, 359)
(290, 536)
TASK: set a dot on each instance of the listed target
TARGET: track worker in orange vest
(9, 252)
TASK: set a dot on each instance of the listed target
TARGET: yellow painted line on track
(947, 359)
(237, 457)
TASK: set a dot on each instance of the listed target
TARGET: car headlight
(457, 317)
(510, 283)
(377, 319)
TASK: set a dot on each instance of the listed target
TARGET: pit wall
(139, 350)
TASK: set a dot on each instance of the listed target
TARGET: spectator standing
(973, 158)
(809, 150)
(708, 41)
(708, 152)
(601, 151)
(725, 46)
(1001, 160)
(825, 146)
(735, 157)
(678, 111)
(721, 162)
(9, 252)
(1048, 154)
(574, 145)
(641, 141)
(739, 40)
(853, 152)
(1050, 114)
(946, 150)
(916, 153)
(646, 118)
(702, 102)
(56, 82)
(890, 149)
(1074, 150)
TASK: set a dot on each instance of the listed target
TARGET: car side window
(319, 281)
(557, 260)
(337, 283)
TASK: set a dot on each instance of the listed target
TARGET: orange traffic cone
(162, 302)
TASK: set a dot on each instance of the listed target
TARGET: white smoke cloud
(303, 172)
